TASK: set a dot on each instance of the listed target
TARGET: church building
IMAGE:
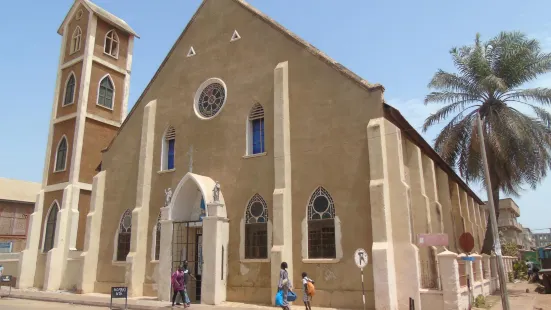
(249, 147)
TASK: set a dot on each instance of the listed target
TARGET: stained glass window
(256, 228)
(125, 233)
(211, 100)
(321, 225)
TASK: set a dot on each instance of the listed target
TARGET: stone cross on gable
(190, 154)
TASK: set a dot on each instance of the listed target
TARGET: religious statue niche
(168, 196)
(216, 192)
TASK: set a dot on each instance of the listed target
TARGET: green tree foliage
(487, 83)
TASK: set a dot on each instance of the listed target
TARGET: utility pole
(493, 220)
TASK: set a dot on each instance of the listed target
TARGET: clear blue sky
(399, 44)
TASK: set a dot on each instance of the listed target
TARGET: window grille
(51, 223)
(256, 228)
(125, 234)
(321, 225)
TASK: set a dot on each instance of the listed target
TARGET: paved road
(20, 304)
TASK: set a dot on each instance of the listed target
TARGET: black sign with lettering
(119, 292)
(5, 279)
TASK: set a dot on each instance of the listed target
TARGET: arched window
(125, 233)
(76, 40)
(256, 228)
(70, 90)
(321, 225)
(111, 44)
(61, 155)
(106, 93)
(51, 223)
(158, 238)
(255, 132)
(168, 152)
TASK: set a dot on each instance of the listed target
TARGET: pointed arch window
(158, 238)
(70, 90)
(111, 44)
(51, 223)
(61, 155)
(169, 149)
(124, 236)
(256, 228)
(106, 93)
(76, 40)
(256, 130)
(321, 225)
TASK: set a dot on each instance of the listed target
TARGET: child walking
(308, 288)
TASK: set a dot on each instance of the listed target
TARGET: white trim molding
(108, 65)
(76, 40)
(191, 52)
(72, 62)
(65, 118)
(114, 92)
(103, 120)
(61, 186)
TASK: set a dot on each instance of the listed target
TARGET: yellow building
(249, 147)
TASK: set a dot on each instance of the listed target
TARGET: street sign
(119, 292)
(466, 242)
(468, 258)
(361, 258)
(432, 240)
(7, 281)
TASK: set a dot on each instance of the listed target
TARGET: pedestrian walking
(284, 285)
(308, 290)
(178, 285)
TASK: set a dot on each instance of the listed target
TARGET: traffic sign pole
(363, 289)
(361, 258)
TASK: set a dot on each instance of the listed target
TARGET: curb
(83, 302)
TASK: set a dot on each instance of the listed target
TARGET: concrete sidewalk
(144, 303)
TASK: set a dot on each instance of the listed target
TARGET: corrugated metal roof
(17, 190)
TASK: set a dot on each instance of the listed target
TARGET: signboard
(468, 258)
(119, 292)
(361, 258)
(466, 242)
(432, 240)
(6, 279)
(6, 247)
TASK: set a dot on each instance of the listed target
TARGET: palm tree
(487, 83)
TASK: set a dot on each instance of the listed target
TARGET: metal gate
(187, 245)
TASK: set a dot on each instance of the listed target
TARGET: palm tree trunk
(488, 245)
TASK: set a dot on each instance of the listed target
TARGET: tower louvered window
(125, 235)
(70, 90)
(256, 132)
(51, 223)
(169, 149)
(106, 93)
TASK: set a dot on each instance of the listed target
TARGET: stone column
(420, 211)
(56, 260)
(215, 255)
(137, 257)
(282, 243)
(477, 267)
(443, 188)
(93, 231)
(449, 273)
(165, 256)
(393, 252)
(28, 257)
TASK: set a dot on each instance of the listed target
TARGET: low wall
(73, 271)
(10, 261)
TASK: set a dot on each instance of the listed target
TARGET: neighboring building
(17, 199)
(507, 222)
(543, 239)
(274, 152)
(528, 241)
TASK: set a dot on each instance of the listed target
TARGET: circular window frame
(198, 94)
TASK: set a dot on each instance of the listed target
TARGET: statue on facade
(168, 196)
(216, 192)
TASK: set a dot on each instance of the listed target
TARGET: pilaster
(93, 231)
(420, 211)
(137, 258)
(28, 258)
(444, 196)
(56, 260)
(458, 223)
(282, 248)
(165, 256)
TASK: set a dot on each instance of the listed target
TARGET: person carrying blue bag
(284, 293)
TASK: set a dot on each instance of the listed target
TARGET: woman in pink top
(178, 285)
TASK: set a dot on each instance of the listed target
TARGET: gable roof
(390, 112)
(103, 14)
(309, 47)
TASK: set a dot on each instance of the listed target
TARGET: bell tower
(90, 104)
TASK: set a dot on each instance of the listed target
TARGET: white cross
(190, 154)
